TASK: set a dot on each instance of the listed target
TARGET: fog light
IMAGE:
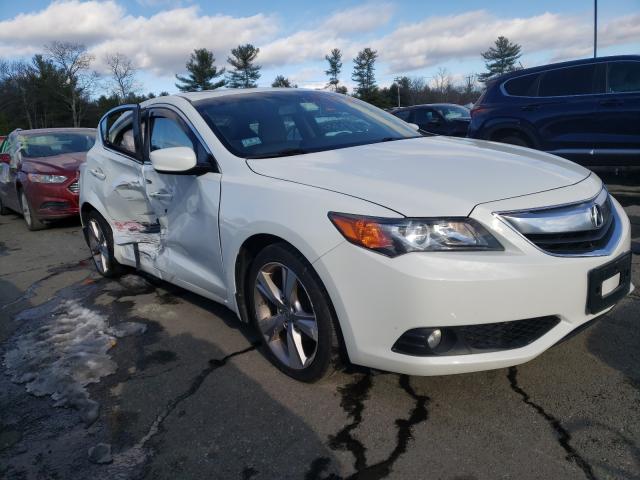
(434, 338)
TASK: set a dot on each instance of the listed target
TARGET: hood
(57, 164)
(427, 177)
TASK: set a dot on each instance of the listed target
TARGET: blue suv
(586, 110)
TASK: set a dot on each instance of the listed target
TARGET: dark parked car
(39, 172)
(586, 110)
(440, 118)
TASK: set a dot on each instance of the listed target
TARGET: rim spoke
(268, 289)
(95, 229)
(307, 325)
(289, 281)
(297, 358)
(272, 326)
(103, 261)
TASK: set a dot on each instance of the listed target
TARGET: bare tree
(123, 75)
(443, 83)
(75, 62)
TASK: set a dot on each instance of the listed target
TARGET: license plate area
(603, 291)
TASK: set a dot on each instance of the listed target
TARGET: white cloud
(434, 40)
(160, 43)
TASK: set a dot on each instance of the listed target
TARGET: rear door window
(569, 81)
(623, 77)
(403, 114)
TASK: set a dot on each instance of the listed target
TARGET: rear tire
(3, 210)
(291, 312)
(33, 222)
(100, 241)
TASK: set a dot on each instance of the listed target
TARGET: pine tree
(245, 72)
(500, 59)
(283, 82)
(201, 72)
(335, 67)
(363, 74)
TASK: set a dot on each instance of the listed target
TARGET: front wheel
(100, 241)
(292, 314)
(33, 223)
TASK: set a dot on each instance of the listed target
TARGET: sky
(413, 38)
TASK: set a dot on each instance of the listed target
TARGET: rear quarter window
(525, 86)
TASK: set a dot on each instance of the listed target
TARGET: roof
(409, 107)
(40, 131)
(571, 63)
(223, 92)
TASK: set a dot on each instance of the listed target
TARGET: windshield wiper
(282, 153)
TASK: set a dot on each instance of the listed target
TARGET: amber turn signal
(362, 231)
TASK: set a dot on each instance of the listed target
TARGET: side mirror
(5, 158)
(414, 126)
(173, 160)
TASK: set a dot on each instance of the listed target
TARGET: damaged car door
(185, 200)
(115, 173)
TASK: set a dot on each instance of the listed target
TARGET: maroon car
(39, 173)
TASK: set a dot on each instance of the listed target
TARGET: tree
(202, 72)
(500, 59)
(335, 67)
(283, 82)
(364, 73)
(245, 72)
(443, 84)
(74, 62)
(123, 75)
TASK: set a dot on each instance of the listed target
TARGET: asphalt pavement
(155, 382)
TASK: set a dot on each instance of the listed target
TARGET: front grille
(506, 335)
(585, 228)
(74, 187)
(480, 338)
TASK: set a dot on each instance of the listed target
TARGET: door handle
(614, 102)
(530, 107)
(161, 194)
(97, 173)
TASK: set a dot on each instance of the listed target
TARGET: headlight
(393, 237)
(40, 178)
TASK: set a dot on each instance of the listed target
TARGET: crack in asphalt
(564, 437)
(196, 383)
(31, 289)
(353, 397)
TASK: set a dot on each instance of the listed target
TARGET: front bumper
(378, 298)
(53, 201)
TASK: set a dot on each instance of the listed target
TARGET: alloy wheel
(99, 246)
(285, 315)
(26, 212)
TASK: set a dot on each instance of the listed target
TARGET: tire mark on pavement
(564, 437)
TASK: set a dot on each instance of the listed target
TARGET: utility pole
(397, 80)
(595, 28)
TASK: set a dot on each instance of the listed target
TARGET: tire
(287, 324)
(100, 241)
(33, 222)
(4, 210)
(515, 139)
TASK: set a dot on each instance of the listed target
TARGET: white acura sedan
(339, 230)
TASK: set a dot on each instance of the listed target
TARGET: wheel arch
(247, 252)
(501, 127)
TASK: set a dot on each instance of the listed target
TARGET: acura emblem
(597, 220)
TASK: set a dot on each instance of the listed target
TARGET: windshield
(278, 123)
(451, 112)
(50, 144)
